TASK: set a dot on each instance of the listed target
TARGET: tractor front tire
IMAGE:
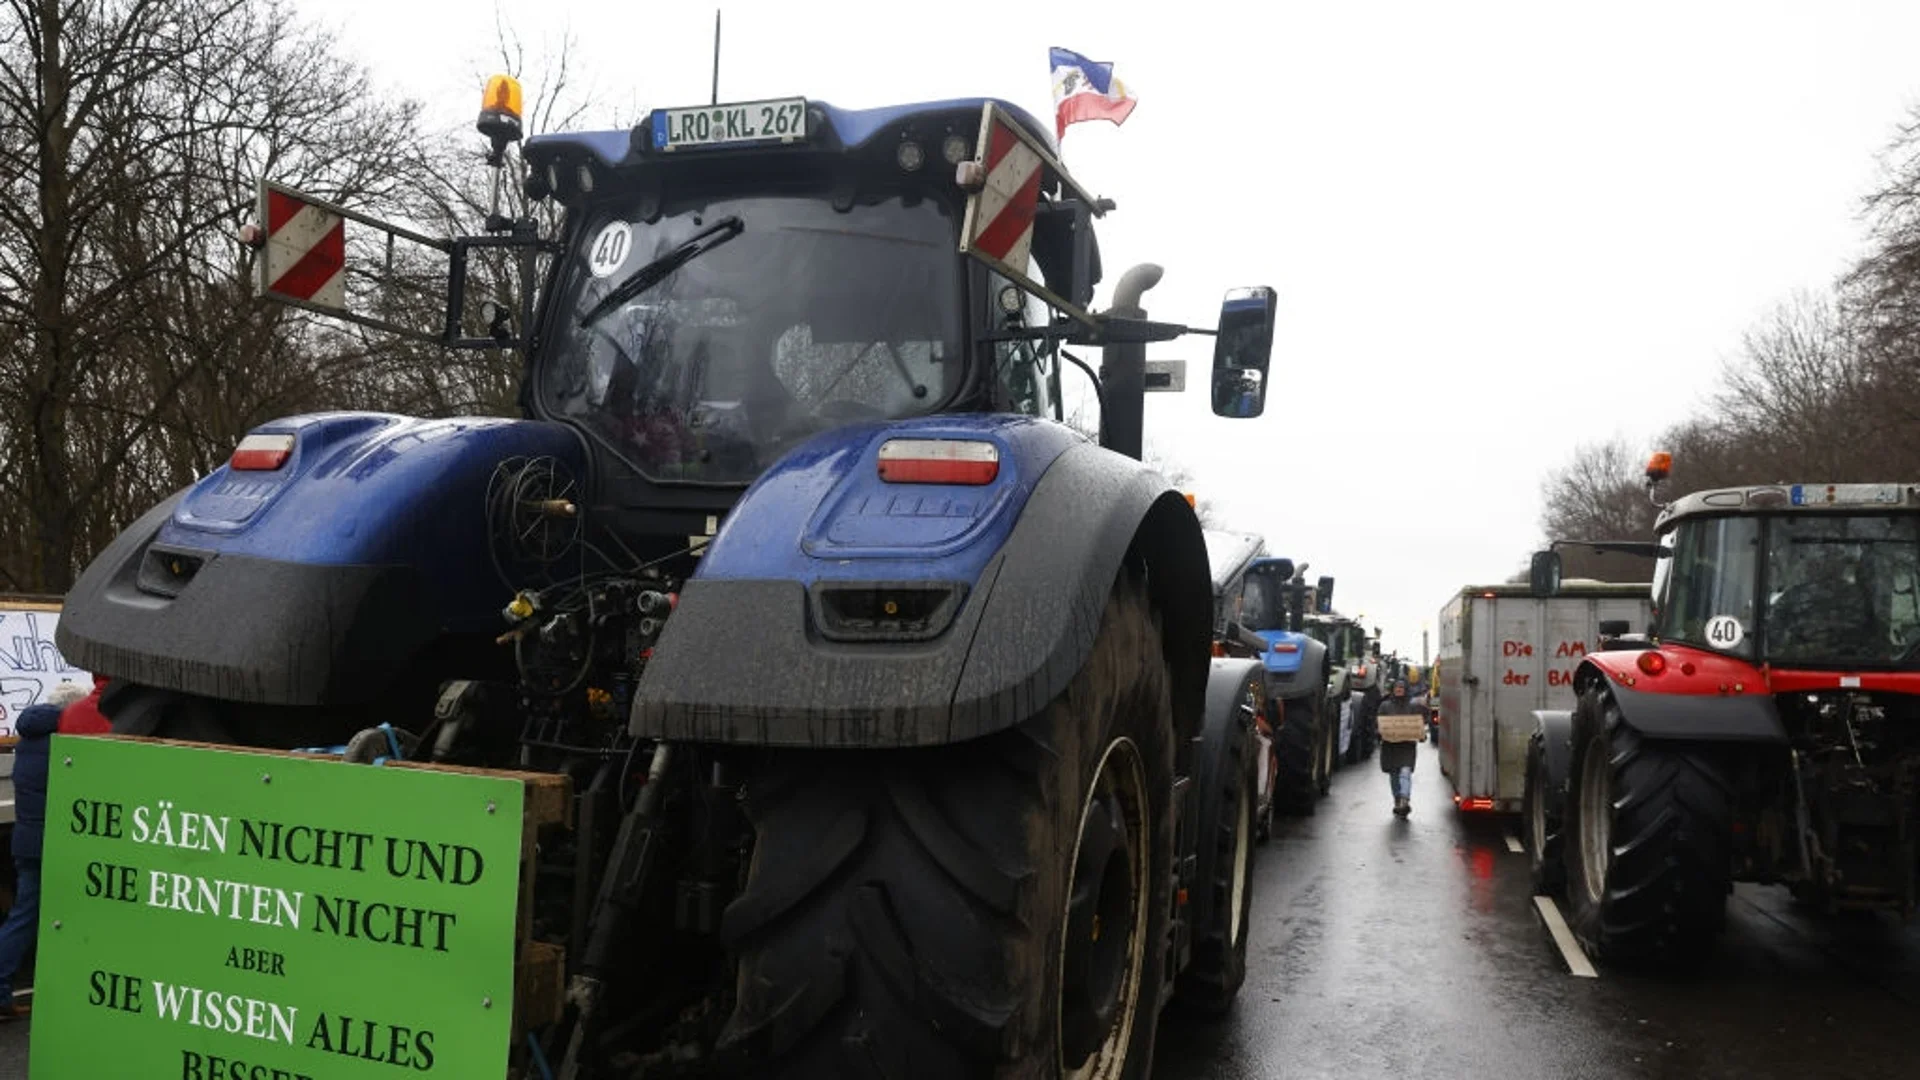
(1648, 842)
(995, 908)
(1541, 818)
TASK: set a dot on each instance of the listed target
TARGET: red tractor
(1767, 728)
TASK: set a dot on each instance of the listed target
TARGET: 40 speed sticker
(1725, 632)
(610, 248)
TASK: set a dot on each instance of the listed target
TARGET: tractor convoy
(903, 728)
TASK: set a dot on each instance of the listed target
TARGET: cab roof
(1791, 498)
(1228, 553)
(831, 127)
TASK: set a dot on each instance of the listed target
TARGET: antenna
(716, 56)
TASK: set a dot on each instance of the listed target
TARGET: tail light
(1285, 647)
(261, 453)
(1653, 663)
(1476, 803)
(939, 461)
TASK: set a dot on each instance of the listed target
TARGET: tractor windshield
(1805, 590)
(784, 317)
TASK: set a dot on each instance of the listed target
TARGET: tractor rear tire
(1224, 797)
(1649, 831)
(1301, 747)
(1541, 820)
(995, 908)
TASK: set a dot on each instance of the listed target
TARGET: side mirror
(1543, 575)
(1242, 348)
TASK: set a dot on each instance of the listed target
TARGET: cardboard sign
(30, 664)
(210, 913)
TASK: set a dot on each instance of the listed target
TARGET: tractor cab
(1802, 577)
(1793, 577)
(733, 281)
(724, 283)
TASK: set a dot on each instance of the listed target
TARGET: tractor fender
(1298, 674)
(1221, 723)
(1555, 729)
(1689, 712)
(745, 659)
(315, 583)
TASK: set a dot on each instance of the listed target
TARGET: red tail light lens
(1477, 803)
(1652, 663)
(939, 461)
(262, 453)
(1285, 646)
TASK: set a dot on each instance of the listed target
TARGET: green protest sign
(221, 915)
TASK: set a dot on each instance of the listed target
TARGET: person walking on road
(1402, 729)
(35, 725)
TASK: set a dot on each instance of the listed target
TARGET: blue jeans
(1400, 780)
(23, 923)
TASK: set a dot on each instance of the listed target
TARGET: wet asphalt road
(1383, 948)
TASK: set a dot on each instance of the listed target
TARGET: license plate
(784, 120)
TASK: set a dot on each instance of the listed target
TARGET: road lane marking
(1513, 845)
(1577, 962)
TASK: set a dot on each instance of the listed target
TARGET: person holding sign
(36, 724)
(1402, 729)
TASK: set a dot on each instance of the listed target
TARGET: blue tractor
(1273, 602)
(895, 743)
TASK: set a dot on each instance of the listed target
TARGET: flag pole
(716, 56)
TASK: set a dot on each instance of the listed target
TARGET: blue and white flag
(1084, 89)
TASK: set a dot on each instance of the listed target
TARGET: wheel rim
(1242, 855)
(1596, 821)
(1099, 968)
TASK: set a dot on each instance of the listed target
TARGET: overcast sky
(1497, 229)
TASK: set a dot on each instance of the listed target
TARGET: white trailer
(1504, 654)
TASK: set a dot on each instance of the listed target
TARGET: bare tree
(134, 351)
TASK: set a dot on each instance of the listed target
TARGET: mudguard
(315, 583)
(1555, 728)
(1025, 565)
(1226, 722)
(1683, 707)
(1296, 674)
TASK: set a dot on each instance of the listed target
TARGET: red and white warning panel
(1004, 182)
(306, 251)
(1003, 218)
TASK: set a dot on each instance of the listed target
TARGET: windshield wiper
(657, 271)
